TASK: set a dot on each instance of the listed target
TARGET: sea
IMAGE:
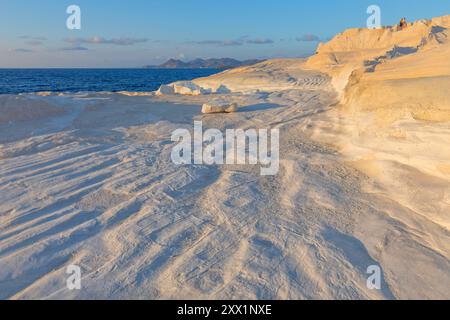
(15, 81)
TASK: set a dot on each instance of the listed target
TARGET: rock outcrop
(393, 73)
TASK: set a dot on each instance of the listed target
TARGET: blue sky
(133, 33)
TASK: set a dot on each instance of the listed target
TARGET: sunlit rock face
(219, 107)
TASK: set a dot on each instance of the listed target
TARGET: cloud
(207, 42)
(33, 38)
(21, 50)
(308, 38)
(222, 43)
(34, 43)
(232, 43)
(260, 41)
(101, 40)
(76, 48)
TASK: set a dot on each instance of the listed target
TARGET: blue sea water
(14, 81)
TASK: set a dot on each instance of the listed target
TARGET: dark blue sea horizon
(15, 81)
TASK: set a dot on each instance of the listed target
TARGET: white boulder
(183, 88)
(219, 107)
(165, 90)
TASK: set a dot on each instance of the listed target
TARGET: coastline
(88, 180)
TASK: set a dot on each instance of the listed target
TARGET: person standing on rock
(402, 24)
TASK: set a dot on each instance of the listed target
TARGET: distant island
(223, 63)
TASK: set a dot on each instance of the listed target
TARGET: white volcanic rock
(219, 106)
(165, 90)
(267, 76)
(21, 108)
(363, 181)
(365, 51)
(191, 88)
(183, 88)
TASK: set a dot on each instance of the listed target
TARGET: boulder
(165, 90)
(183, 88)
(219, 107)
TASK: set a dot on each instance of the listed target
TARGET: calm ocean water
(15, 81)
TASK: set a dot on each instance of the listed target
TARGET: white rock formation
(219, 106)
(363, 181)
(182, 87)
